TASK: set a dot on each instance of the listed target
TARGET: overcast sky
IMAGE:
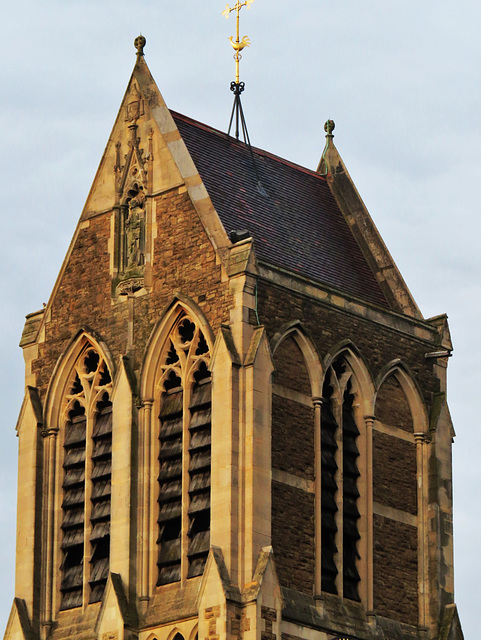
(400, 79)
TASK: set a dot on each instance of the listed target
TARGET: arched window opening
(184, 454)
(199, 471)
(339, 484)
(87, 446)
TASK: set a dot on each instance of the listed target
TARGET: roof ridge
(243, 145)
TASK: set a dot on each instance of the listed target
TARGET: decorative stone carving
(131, 178)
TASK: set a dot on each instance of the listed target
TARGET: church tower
(235, 423)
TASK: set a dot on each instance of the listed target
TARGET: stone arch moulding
(180, 304)
(58, 381)
(409, 385)
(348, 350)
(194, 632)
(175, 634)
(305, 343)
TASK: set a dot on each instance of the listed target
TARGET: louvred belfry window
(339, 485)
(87, 448)
(184, 455)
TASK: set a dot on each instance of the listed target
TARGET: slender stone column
(146, 437)
(422, 439)
(50, 459)
(317, 402)
(369, 421)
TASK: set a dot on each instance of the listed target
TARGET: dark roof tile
(292, 215)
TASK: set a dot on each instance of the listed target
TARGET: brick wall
(292, 437)
(395, 570)
(394, 472)
(394, 459)
(293, 536)
(392, 406)
(290, 367)
(184, 261)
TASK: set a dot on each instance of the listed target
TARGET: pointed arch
(175, 634)
(347, 349)
(180, 305)
(77, 473)
(296, 384)
(301, 337)
(175, 387)
(58, 382)
(347, 401)
(401, 373)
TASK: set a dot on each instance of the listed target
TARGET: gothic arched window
(87, 451)
(184, 454)
(339, 481)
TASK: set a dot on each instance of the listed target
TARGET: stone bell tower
(235, 423)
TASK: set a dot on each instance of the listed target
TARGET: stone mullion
(369, 534)
(318, 497)
(145, 510)
(49, 480)
(90, 414)
(184, 544)
(339, 556)
(421, 461)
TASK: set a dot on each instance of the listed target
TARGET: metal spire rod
(238, 87)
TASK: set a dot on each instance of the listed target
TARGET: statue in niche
(134, 229)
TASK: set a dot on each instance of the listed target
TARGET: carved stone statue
(135, 231)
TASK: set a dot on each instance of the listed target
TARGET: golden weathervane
(238, 44)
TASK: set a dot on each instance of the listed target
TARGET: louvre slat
(199, 543)
(101, 469)
(201, 395)
(101, 489)
(102, 447)
(199, 482)
(169, 552)
(171, 469)
(199, 440)
(72, 537)
(200, 460)
(100, 570)
(200, 418)
(169, 574)
(171, 427)
(170, 491)
(74, 433)
(71, 599)
(100, 510)
(196, 567)
(103, 424)
(100, 530)
(170, 449)
(74, 457)
(73, 497)
(172, 403)
(73, 476)
(170, 511)
(199, 502)
(73, 518)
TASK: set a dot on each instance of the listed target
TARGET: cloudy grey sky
(400, 79)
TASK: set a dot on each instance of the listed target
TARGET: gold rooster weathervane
(238, 87)
(239, 44)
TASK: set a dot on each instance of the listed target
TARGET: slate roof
(293, 218)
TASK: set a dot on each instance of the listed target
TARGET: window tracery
(184, 454)
(87, 447)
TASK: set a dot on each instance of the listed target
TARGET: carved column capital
(48, 433)
(317, 402)
(422, 438)
(369, 420)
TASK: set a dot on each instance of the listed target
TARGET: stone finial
(329, 127)
(139, 44)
